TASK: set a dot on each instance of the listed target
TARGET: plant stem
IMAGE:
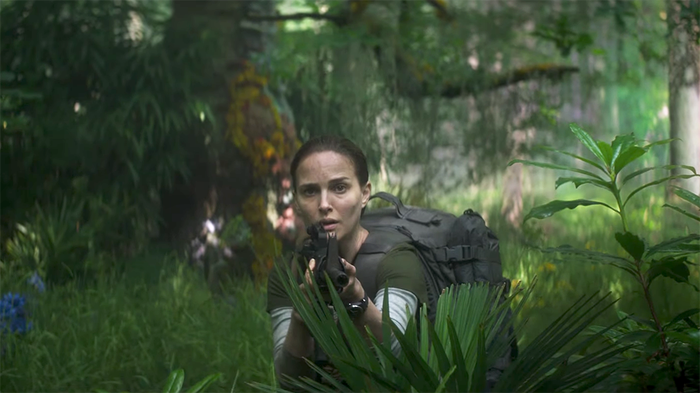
(616, 192)
(650, 303)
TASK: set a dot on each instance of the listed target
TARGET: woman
(331, 186)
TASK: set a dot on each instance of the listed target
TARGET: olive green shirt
(399, 268)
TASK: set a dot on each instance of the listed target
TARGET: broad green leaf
(692, 338)
(672, 245)
(635, 336)
(607, 152)
(443, 361)
(683, 212)
(620, 145)
(627, 157)
(661, 142)
(655, 182)
(463, 376)
(645, 170)
(586, 160)
(685, 314)
(175, 381)
(202, 385)
(544, 211)
(687, 195)
(671, 267)
(588, 142)
(645, 322)
(594, 256)
(653, 344)
(579, 181)
(406, 370)
(555, 166)
(632, 243)
(478, 380)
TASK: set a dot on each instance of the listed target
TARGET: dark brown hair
(337, 144)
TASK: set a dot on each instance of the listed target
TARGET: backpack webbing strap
(465, 253)
(419, 216)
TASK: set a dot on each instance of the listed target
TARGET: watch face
(355, 310)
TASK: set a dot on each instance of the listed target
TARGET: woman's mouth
(329, 226)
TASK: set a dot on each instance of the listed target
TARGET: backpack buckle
(449, 254)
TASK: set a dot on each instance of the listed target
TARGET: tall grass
(128, 332)
(122, 334)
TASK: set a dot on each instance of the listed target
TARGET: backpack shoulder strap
(379, 242)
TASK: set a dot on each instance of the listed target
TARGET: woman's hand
(352, 292)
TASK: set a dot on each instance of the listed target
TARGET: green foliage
(236, 232)
(120, 333)
(455, 352)
(645, 263)
(561, 34)
(97, 108)
(688, 196)
(176, 380)
(612, 158)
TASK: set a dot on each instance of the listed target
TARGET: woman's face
(328, 191)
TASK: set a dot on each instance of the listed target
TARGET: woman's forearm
(298, 341)
(402, 307)
(372, 318)
(298, 345)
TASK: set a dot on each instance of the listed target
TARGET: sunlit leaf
(202, 385)
(586, 160)
(644, 170)
(620, 145)
(588, 142)
(655, 182)
(687, 195)
(607, 152)
(175, 381)
(627, 157)
(547, 210)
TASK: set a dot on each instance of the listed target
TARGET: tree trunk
(255, 134)
(684, 91)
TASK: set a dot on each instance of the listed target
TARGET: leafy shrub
(669, 349)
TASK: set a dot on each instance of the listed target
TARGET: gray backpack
(454, 250)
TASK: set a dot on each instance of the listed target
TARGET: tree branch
(539, 71)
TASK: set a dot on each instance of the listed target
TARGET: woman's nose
(325, 205)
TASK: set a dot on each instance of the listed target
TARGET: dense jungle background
(145, 155)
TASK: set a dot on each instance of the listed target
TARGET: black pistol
(323, 248)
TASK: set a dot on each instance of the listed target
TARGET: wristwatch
(355, 309)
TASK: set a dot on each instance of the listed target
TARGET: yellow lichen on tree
(256, 128)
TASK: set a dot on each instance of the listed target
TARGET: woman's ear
(366, 193)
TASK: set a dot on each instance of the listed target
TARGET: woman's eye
(308, 192)
(340, 188)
